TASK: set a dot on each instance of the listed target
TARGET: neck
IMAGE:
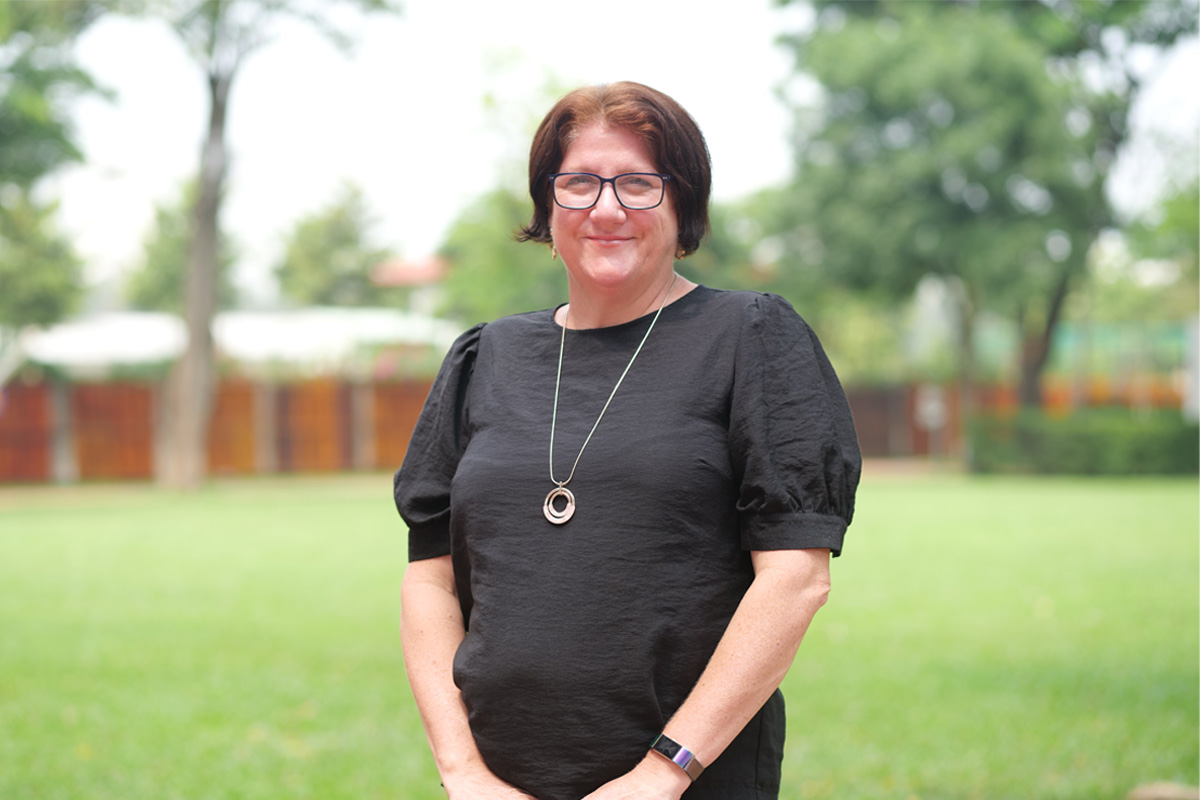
(598, 308)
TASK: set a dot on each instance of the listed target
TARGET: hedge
(1094, 442)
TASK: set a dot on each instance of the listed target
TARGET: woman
(621, 511)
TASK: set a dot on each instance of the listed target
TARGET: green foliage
(37, 78)
(726, 258)
(1102, 442)
(1136, 292)
(1039, 634)
(943, 149)
(40, 280)
(969, 141)
(158, 285)
(865, 338)
(1178, 232)
(1149, 274)
(1071, 28)
(491, 274)
(328, 259)
(1174, 233)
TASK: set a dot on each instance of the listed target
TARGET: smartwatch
(678, 755)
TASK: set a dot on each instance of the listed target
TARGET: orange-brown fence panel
(310, 429)
(395, 409)
(1062, 396)
(113, 430)
(880, 419)
(231, 435)
(105, 430)
(26, 432)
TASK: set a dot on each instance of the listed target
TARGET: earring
(553, 253)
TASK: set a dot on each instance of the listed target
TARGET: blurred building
(307, 390)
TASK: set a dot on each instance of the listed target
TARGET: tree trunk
(965, 306)
(1035, 348)
(190, 387)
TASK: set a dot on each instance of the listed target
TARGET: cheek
(669, 230)
(557, 220)
(670, 219)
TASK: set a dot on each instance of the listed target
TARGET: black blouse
(729, 434)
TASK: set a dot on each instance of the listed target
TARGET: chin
(613, 269)
(609, 272)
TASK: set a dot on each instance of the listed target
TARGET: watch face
(667, 747)
(678, 754)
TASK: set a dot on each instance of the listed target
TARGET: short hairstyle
(670, 135)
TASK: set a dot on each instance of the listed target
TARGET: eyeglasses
(636, 191)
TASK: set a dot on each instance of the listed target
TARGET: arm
(748, 665)
(431, 628)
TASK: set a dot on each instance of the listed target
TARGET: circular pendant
(553, 514)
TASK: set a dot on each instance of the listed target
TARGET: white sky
(404, 115)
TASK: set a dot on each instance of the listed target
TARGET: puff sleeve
(421, 486)
(792, 441)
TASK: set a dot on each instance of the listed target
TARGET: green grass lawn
(1000, 639)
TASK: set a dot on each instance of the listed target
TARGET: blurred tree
(37, 75)
(219, 35)
(1150, 272)
(491, 274)
(158, 284)
(328, 261)
(1173, 234)
(968, 141)
(40, 276)
(727, 257)
(39, 271)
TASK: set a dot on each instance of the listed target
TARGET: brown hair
(668, 132)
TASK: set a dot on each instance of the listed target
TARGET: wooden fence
(53, 431)
(105, 431)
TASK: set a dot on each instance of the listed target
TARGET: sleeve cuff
(798, 531)
(429, 540)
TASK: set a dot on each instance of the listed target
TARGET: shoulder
(497, 332)
(514, 327)
(743, 302)
(755, 312)
(461, 355)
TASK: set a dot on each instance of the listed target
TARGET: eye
(577, 181)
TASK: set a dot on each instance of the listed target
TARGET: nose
(607, 205)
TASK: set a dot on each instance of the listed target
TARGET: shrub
(1094, 442)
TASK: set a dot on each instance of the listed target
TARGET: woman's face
(609, 245)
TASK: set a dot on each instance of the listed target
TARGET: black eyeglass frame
(613, 180)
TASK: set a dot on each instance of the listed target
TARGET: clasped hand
(652, 779)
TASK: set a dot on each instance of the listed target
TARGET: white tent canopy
(310, 338)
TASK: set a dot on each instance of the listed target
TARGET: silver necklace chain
(560, 487)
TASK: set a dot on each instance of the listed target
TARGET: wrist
(460, 765)
(675, 753)
(664, 774)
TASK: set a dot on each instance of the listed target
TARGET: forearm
(431, 629)
(749, 663)
(755, 652)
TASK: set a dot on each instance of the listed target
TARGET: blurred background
(238, 236)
